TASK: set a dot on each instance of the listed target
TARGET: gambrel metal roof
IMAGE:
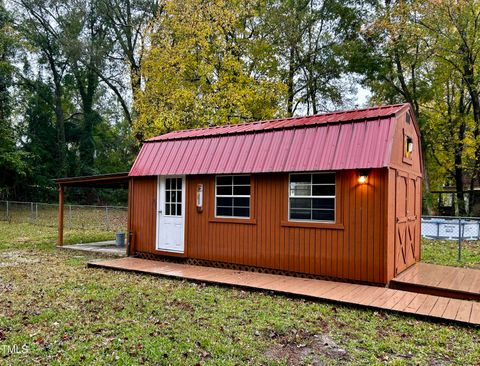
(357, 139)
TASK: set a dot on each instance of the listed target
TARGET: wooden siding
(353, 248)
(413, 165)
(142, 209)
(404, 201)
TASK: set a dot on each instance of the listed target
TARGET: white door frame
(160, 207)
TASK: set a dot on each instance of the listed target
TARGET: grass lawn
(65, 314)
(446, 252)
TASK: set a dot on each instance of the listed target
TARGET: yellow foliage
(201, 68)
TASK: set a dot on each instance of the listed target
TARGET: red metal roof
(357, 139)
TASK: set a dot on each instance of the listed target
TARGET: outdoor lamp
(362, 176)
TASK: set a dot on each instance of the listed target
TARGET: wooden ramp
(445, 281)
(363, 295)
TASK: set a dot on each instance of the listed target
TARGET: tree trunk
(459, 187)
(60, 119)
(90, 119)
(136, 85)
(290, 83)
(60, 124)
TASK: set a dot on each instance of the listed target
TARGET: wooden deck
(369, 296)
(432, 279)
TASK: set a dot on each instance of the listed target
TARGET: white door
(170, 214)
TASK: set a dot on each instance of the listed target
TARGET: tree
(452, 29)
(38, 131)
(392, 59)
(40, 30)
(11, 159)
(85, 41)
(309, 38)
(128, 22)
(201, 68)
(425, 53)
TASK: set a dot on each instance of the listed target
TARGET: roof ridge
(172, 134)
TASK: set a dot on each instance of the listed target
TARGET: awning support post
(60, 215)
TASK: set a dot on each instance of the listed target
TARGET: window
(173, 196)
(312, 197)
(232, 196)
(408, 149)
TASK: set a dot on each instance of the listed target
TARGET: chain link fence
(457, 232)
(85, 217)
(451, 228)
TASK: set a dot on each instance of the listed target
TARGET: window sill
(314, 225)
(232, 220)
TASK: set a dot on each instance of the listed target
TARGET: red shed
(333, 195)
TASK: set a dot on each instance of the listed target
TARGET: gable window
(312, 197)
(232, 196)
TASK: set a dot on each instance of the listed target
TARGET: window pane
(224, 191)
(324, 215)
(229, 192)
(224, 211)
(300, 178)
(241, 212)
(167, 183)
(179, 183)
(173, 212)
(323, 190)
(179, 210)
(241, 179)
(224, 180)
(241, 190)
(300, 189)
(297, 203)
(323, 178)
(167, 209)
(300, 214)
(241, 201)
(179, 196)
(173, 196)
(224, 201)
(328, 203)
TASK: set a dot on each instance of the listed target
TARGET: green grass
(446, 252)
(67, 314)
(28, 236)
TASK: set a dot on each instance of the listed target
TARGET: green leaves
(202, 69)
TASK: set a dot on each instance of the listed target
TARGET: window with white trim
(232, 196)
(312, 197)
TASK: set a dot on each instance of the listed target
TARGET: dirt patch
(17, 258)
(303, 348)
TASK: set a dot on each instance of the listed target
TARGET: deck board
(354, 294)
(475, 313)
(444, 281)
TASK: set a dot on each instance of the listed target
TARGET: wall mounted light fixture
(363, 176)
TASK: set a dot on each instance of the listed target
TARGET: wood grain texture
(141, 212)
(434, 279)
(354, 247)
(368, 296)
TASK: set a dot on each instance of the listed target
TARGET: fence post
(460, 236)
(36, 212)
(8, 218)
(31, 211)
(70, 216)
